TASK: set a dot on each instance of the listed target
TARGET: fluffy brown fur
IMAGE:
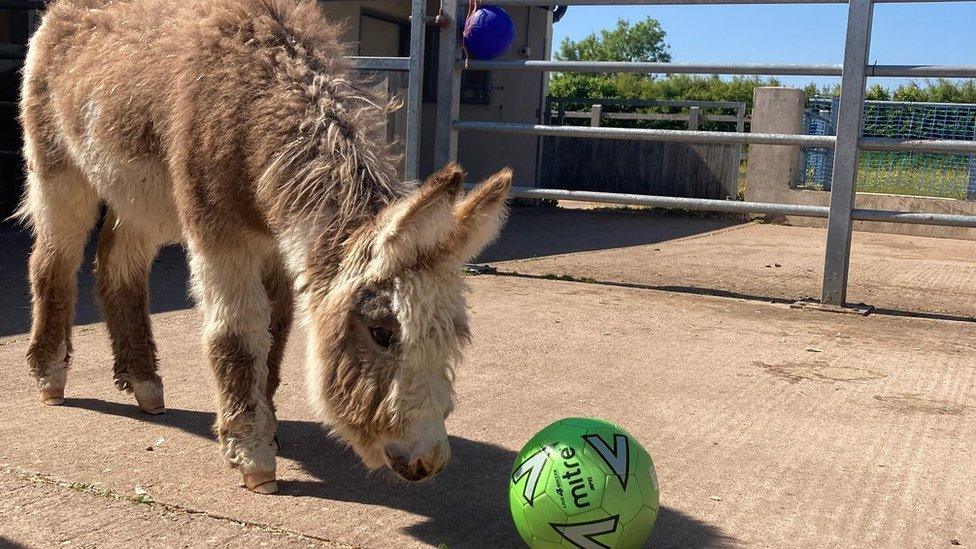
(236, 127)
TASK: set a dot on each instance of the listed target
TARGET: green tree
(641, 42)
(644, 41)
(878, 92)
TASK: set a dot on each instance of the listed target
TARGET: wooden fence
(643, 167)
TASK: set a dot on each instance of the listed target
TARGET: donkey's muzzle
(416, 468)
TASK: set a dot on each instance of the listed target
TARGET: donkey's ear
(479, 216)
(417, 223)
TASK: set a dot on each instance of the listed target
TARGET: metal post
(448, 86)
(849, 125)
(694, 118)
(596, 113)
(415, 90)
(545, 103)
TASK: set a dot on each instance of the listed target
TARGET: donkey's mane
(331, 169)
(336, 168)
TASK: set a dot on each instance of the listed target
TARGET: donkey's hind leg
(228, 281)
(278, 286)
(62, 208)
(125, 255)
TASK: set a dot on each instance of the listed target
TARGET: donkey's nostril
(422, 470)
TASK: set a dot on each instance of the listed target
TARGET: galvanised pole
(840, 224)
(415, 91)
(448, 86)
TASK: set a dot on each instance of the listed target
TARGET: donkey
(237, 128)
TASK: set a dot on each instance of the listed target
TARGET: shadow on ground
(542, 231)
(465, 506)
(530, 232)
(7, 544)
(167, 289)
(714, 292)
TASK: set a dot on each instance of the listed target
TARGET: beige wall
(348, 14)
(515, 96)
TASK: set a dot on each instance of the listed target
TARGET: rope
(473, 6)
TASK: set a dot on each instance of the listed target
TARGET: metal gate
(846, 144)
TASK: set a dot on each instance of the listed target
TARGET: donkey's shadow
(465, 506)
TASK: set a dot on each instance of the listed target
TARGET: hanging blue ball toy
(488, 32)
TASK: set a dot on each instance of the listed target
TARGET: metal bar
(849, 124)
(415, 91)
(734, 206)
(381, 63)
(690, 2)
(814, 141)
(826, 103)
(681, 136)
(655, 116)
(656, 68)
(765, 69)
(916, 218)
(730, 206)
(563, 101)
(923, 71)
(918, 145)
(448, 86)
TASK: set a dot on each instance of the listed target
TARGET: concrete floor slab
(898, 274)
(769, 426)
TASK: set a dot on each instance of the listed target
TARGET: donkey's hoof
(51, 385)
(261, 483)
(52, 397)
(149, 396)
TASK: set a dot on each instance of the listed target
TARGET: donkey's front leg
(228, 282)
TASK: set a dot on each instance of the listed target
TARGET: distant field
(913, 174)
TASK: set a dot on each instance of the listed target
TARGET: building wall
(348, 14)
(515, 96)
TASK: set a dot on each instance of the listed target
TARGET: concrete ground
(769, 426)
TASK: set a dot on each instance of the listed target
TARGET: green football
(583, 483)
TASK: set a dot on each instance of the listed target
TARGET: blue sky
(943, 34)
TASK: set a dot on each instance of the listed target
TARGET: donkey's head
(386, 337)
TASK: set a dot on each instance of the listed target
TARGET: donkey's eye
(381, 336)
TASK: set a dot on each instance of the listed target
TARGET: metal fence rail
(763, 69)
(685, 136)
(846, 144)
(736, 206)
(682, 136)
(691, 2)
